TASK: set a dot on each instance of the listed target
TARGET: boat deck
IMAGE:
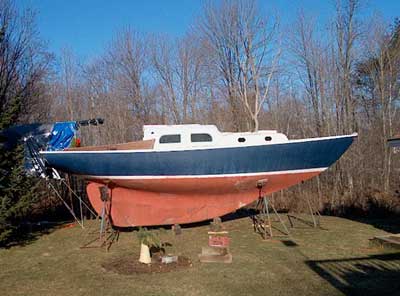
(138, 145)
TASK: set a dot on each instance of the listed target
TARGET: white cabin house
(187, 136)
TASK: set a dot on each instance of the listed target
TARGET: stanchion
(262, 220)
(107, 234)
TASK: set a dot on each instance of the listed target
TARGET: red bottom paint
(146, 202)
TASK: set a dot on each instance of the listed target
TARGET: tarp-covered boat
(188, 173)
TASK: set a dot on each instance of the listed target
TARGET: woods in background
(242, 69)
(24, 67)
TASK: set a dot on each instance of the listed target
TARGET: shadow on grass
(389, 223)
(30, 232)
(289, 243)
(378, 213)
(239, 214)
(372, 275)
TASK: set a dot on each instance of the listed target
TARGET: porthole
(241, 140)
(268, 138)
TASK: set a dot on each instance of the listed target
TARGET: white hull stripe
(314, 170)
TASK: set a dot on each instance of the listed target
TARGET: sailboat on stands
(188, 173)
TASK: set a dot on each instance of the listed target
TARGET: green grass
(337, 260)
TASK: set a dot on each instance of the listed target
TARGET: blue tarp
(62, 135)
(36, 137)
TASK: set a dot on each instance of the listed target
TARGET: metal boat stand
(108, 234)
(315, 217)
(262, 222)
(50, 174)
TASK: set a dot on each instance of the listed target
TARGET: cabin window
(268, 138)
(168, 139)
(241, 140)
(200, 138)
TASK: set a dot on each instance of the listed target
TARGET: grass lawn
(335, 260)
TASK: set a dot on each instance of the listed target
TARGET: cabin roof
(179, 128)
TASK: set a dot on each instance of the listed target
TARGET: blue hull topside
(297, 155)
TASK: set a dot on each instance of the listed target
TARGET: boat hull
(291, 156)
(185, 200)
(184, 186)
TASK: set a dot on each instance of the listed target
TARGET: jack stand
(108, 234)
(315, 216)
(262, 221)
(176, 229)
(216, 224)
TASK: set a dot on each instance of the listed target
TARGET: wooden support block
(217, 232)
(215, 259)
(215, 254)
(214, 251)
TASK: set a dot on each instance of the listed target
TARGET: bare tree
(190, 68)
(24, 65)
(179, 71)
(346, 34)
(247, 57)
(308, 53)
(163, 54)
(218, 28)
(69, 82)
(379, 74)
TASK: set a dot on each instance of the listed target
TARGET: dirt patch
(130, 265)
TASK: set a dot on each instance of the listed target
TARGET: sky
(87, 26)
